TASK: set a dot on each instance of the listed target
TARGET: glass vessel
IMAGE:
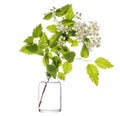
(49, 96)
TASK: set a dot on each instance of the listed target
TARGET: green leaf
(43, 42)
(68, 22)
(84, 52)
(67, 67)
(64, 50)
(93, 73)
(46, 57)
(48, 16)
(72, 33)
(45, 61)
(29, 49)
(40, 52)
(29, 40)
(55, 49)
(52, 70)
(61, 76)
(70, 40)
(62, 11)
(54, 39)
(87, 40)
(25, 50)
(50, 55)
(70, 14)
(74, 43)
(69, 56)
(56, 61)
(103, 63)
(52, 28)
(37, 31)
(32, 47)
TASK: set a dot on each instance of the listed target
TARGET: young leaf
(69, 56)
(40, 52)
(70, 40)
(50, 55)
(62, 11)
(29, 40)
(32, 47)
(93, 73)
(64, 50)
(86, 40)
(72, 33)
(29, 49)
(45, 61)
(54, 39)
(61, 76)
(56, 61)
(84, 52)
(43, 42)
(68, 22)
(67, 67)
(37, 31)
(74, 43)
(52, 70)
(103, 63)
(48, 16)
(25, 50)
(52, 28)
(70, 14)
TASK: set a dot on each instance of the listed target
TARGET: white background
(20, 73)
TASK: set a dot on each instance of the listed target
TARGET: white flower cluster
(77, 16)
(62, 28)
(90, 31)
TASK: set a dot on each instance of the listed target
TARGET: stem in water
(40, 102)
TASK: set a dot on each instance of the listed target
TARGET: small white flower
(62, 28)
(83, 30)
(88, 30)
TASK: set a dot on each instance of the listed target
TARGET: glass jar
(49, 96)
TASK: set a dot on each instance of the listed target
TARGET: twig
(43, 93)
(84, 60)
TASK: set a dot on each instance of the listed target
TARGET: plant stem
(43, 93)
(84, 60)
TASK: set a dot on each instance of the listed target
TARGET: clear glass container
(49, 96)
